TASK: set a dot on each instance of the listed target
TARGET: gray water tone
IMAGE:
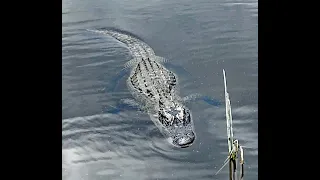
(203, 37)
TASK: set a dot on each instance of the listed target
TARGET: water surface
(203, 37)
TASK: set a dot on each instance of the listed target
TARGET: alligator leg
(125, 104)
(115, 79)
(197, 97)
(124, 71)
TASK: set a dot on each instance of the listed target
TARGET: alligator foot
(197, 97)
(126, 104)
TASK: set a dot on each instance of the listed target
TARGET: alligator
(155, 90)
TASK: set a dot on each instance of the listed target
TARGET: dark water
(203, 37)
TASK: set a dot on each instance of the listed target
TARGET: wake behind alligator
(154, 87)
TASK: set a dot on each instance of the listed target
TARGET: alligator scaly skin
(155, 88)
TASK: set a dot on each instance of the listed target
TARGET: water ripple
(203, 37)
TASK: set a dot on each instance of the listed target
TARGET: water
(202, 37)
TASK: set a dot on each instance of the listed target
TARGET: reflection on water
(129, 145)
(202, 37)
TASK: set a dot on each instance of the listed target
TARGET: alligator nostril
(185, 141)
